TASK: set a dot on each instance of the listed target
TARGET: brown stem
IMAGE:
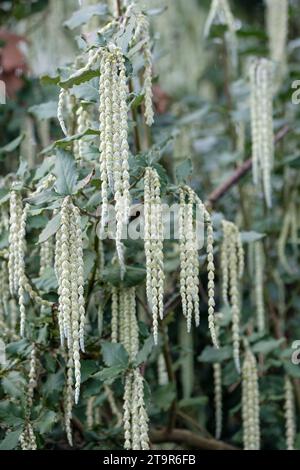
(119, 8)
(182, 436)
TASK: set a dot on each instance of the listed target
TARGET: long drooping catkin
(232, 266)
(261, 73)
(250, 403)
(69, 272)
(153, 243)
(113, 110)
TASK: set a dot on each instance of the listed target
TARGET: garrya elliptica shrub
(142, 279)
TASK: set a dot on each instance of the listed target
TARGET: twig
(182, 436)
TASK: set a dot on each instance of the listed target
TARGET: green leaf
(292, 370)
(87, 91)
(66, 141)
(109, 374)
(211, 354)
(44, 110)
(66, 173)
(50, 80)
(193, 402)
(163, 396)
(266, 346)
(82, 16)
(50, 229)
(114, 355)
(13, 145)
(13, 384)
(184, 171)
(134, 275)
(250, 237)
(11, 440)
(45, 421)
(79, 78)
(145, 352)
(88, 367)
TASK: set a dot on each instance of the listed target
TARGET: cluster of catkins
(188, 232)
(114, 169)
(250, 403)
(232, 267)
(135, 419)
(261, 88)
(27, 438)
(70, 275)
(124, 329)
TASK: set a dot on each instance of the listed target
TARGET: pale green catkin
(135, 418)
(220, 11)
(250, 403)
(218, 398)
(290, 414)
(114, 149)
(259, 286)
(153, 244)
(261, 106)
(142, 35)
(27, 438)
(232, 266)
(277, 28)
(70, 275)
(189, 259)
(17, 248)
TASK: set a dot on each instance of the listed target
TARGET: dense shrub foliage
(116, 333)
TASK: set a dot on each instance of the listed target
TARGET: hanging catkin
(142, 35)
(83, 122)
(189, 259)
(218, 402)
(220, 11)
(135, 418)
(277, 27)
(259, 285)
(290, 416)
(250, 403)
(46, 255)
(261, 77)
(113, 115)
(232, 266)
(17, 248)
(27, 438)
(153, 243)
(69, 271)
